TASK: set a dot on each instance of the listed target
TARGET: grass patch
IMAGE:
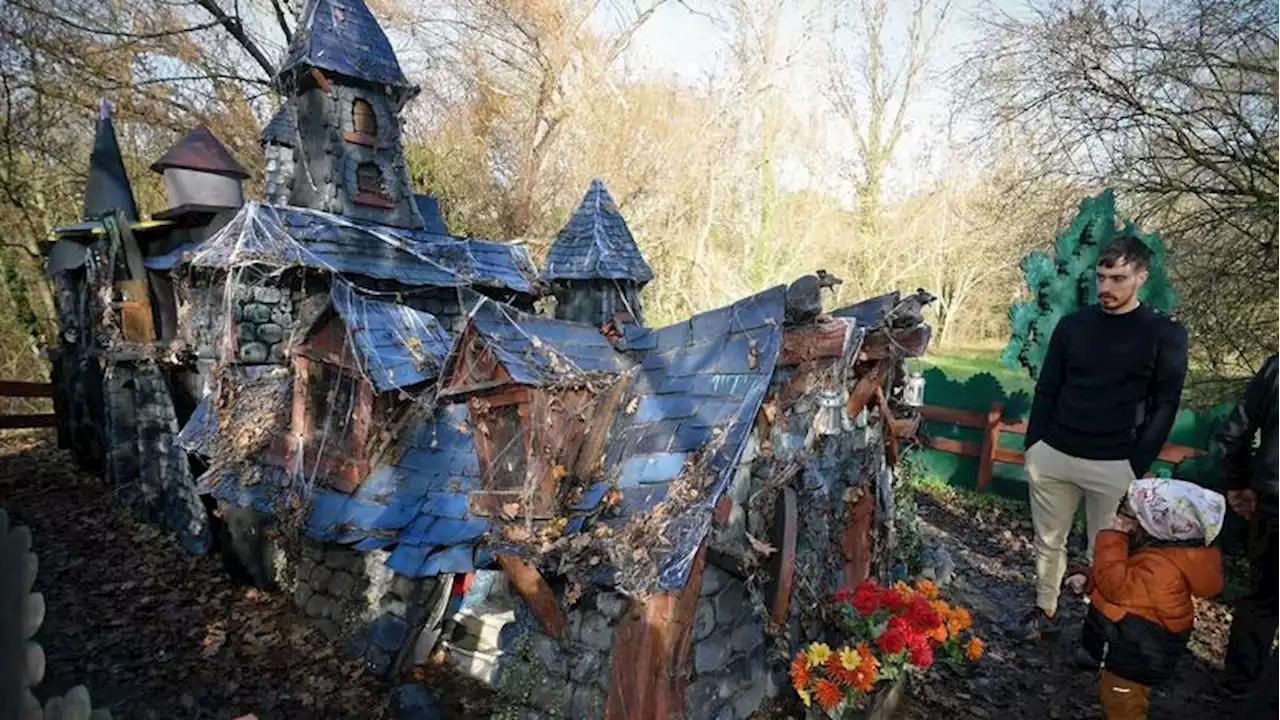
(960, 364)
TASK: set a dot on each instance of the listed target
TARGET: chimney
(199, 171)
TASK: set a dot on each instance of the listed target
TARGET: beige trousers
(1058, 482)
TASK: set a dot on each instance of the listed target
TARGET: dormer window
(370, 188)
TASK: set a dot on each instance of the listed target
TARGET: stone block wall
(444, 306)
(144, 461)
(732, 675)
(375, 615)
(263, 321)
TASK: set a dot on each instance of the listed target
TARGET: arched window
(363, 119)
(370, 187)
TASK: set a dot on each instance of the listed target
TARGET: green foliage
(20, 297)
(1064, 283)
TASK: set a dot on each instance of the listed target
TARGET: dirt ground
(156, 634)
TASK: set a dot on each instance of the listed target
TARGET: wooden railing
(992, 423)
(18, 389)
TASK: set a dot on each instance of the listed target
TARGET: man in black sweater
(1105, 401)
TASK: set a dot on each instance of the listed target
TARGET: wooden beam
(15, 388)
(537, 594)
(865, 388)
(1170, 453)
(320, 79)
(856, 539)
(816, 341)
(910, 342)
(651, 652)
(17, 422)
(990, 441)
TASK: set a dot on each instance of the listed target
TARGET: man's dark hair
(1126, 249)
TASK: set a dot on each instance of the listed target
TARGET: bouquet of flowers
(888, 631)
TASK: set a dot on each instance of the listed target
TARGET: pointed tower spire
(108, 185)
(342, 37)
(594, 266)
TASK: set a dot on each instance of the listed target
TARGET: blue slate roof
(699, 386)
(398, 346)
(429, 209)
(536, 349)
(596, 244)
(418, 503)
(300, 236)
(282, 129)
(342, 36)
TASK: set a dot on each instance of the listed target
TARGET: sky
(679, 42)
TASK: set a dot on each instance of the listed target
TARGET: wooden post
(856, 542)
(651, 652)
(537, 594)
(990, 440)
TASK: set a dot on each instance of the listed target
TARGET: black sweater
(1110, 385)
(1243, 465)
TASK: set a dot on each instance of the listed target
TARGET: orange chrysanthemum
(835, 671)
(973, 650)
(959, 620)
(927, 587)
(940, 607)
(938, 634)
(828, 694)
(869, 661)
(866, 678)
(800, 672)
(903, 589)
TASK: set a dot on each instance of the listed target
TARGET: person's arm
(1162, 401)
(1048, 386)
(1235, 436)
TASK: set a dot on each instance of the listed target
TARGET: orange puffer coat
(1142, 610)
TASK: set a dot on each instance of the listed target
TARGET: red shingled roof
(200, 150)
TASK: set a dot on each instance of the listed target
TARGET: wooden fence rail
(18, 389)
(992, 423)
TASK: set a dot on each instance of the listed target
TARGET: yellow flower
(804, 695)
(817, 654)
(850, 658)
(903, 589)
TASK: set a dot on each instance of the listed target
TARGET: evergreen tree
(1064, 282)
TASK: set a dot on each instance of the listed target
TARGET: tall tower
(595, 268)
(348, 90)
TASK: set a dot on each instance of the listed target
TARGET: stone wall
(732, 675)
(444, 306)
(144, 462)
(375, 615)
(263, 321)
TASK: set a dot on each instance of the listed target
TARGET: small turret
(279, 138)
(199, 171)
(594, 267)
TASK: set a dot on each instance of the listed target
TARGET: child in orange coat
(1147, 566)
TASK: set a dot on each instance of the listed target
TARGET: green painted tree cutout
(1064, 282)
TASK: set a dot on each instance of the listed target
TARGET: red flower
(893, 600)
(922, 616)
(892, 640)
(921, 654)
(866, 597)
(843, 595)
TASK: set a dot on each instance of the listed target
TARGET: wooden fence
(992, 423)
(17, 389)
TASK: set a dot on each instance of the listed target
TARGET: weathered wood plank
(18, 422)
(651, 653)
(17, 388)
(813, 342)
(990, 441)
(536, 593)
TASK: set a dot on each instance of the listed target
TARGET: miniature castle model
(564, 505)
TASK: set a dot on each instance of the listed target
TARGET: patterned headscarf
(1174, 510)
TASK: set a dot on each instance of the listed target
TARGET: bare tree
(1175, 104)
(874, 78)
